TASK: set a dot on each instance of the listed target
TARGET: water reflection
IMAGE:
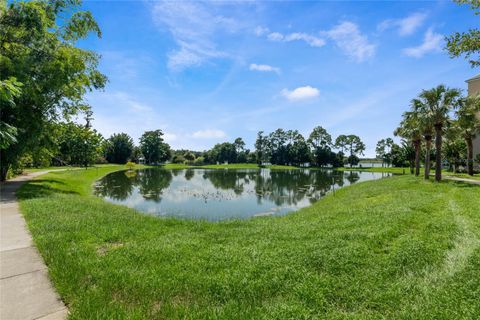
(223, 194)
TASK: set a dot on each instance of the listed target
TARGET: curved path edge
(26, 291)
(466, 180)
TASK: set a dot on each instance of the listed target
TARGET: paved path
(472, 181)
(25, 289)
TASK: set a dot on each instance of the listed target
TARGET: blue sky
(208, 72)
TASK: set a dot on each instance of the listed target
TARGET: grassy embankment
(397, 248)
(379, 169)
(246, 166)
(173, 166)
(445, 173)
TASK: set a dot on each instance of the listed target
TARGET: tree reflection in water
(219, 194)
(119, 185)
(115, 186)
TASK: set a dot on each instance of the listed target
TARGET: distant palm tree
(409, 129)
(468, 121)
(434, 106)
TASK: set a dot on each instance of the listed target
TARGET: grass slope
(246, 166)
(379, 169)
(445, 173)
(398, 248)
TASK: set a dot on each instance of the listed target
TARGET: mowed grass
(445, 173)
(397, 248)
(380, 169)
(463, 175)
(247, 166)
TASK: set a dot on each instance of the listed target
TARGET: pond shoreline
(219, 194)
(355, 247)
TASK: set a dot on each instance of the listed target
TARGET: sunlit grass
(397, 248)
(246, 166)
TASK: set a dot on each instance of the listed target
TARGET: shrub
(199, 161)
(130, 165)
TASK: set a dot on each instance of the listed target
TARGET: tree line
(45, 75)
(282, 147)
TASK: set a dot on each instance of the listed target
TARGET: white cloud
(275, 36)
(300, 93)
(260, 31)
(193, 26)
(209, 134)
(351, 41)
(346, 35)
(432, 42)
(264, 68)
(297, 36)
(407, 25)
(124, 100)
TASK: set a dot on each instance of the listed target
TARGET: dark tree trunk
(416, 145)
(3, 171)
(438, 152)
(469, 142)
(4, 165)
(428, 146)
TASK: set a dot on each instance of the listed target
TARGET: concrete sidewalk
(25, 289)
(471, 181)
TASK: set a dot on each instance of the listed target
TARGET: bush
(178, 158)
(130, 165)
(199, 161)
(101, 160)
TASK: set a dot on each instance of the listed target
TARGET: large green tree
(356, 147)
(9, 89)
(119, 148)
(38, 49)
(468, 123)
(321, 142)
(384, 150)
(154, 149)
(341, 143)
(466, 43)
(298, 151)
(261, 148)
(78, 144)
(222, 152)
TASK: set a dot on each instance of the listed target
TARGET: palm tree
(426, 128)
(468, 121)
(435, 105)
(409, 129)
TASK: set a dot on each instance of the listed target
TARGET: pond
(223, 194)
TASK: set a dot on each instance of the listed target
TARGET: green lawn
(168, 166)
(246, 166)
(463, 175)
(30, 170)
(397, 248)
(380, 169)
(445, 173)
(227, 166)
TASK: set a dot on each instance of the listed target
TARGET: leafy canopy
(466, 43)
(44, 75)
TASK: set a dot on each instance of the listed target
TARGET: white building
(473, 89)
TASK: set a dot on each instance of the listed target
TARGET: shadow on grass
(41, 188)
(464, 184)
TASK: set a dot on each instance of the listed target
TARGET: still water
(223, 194)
